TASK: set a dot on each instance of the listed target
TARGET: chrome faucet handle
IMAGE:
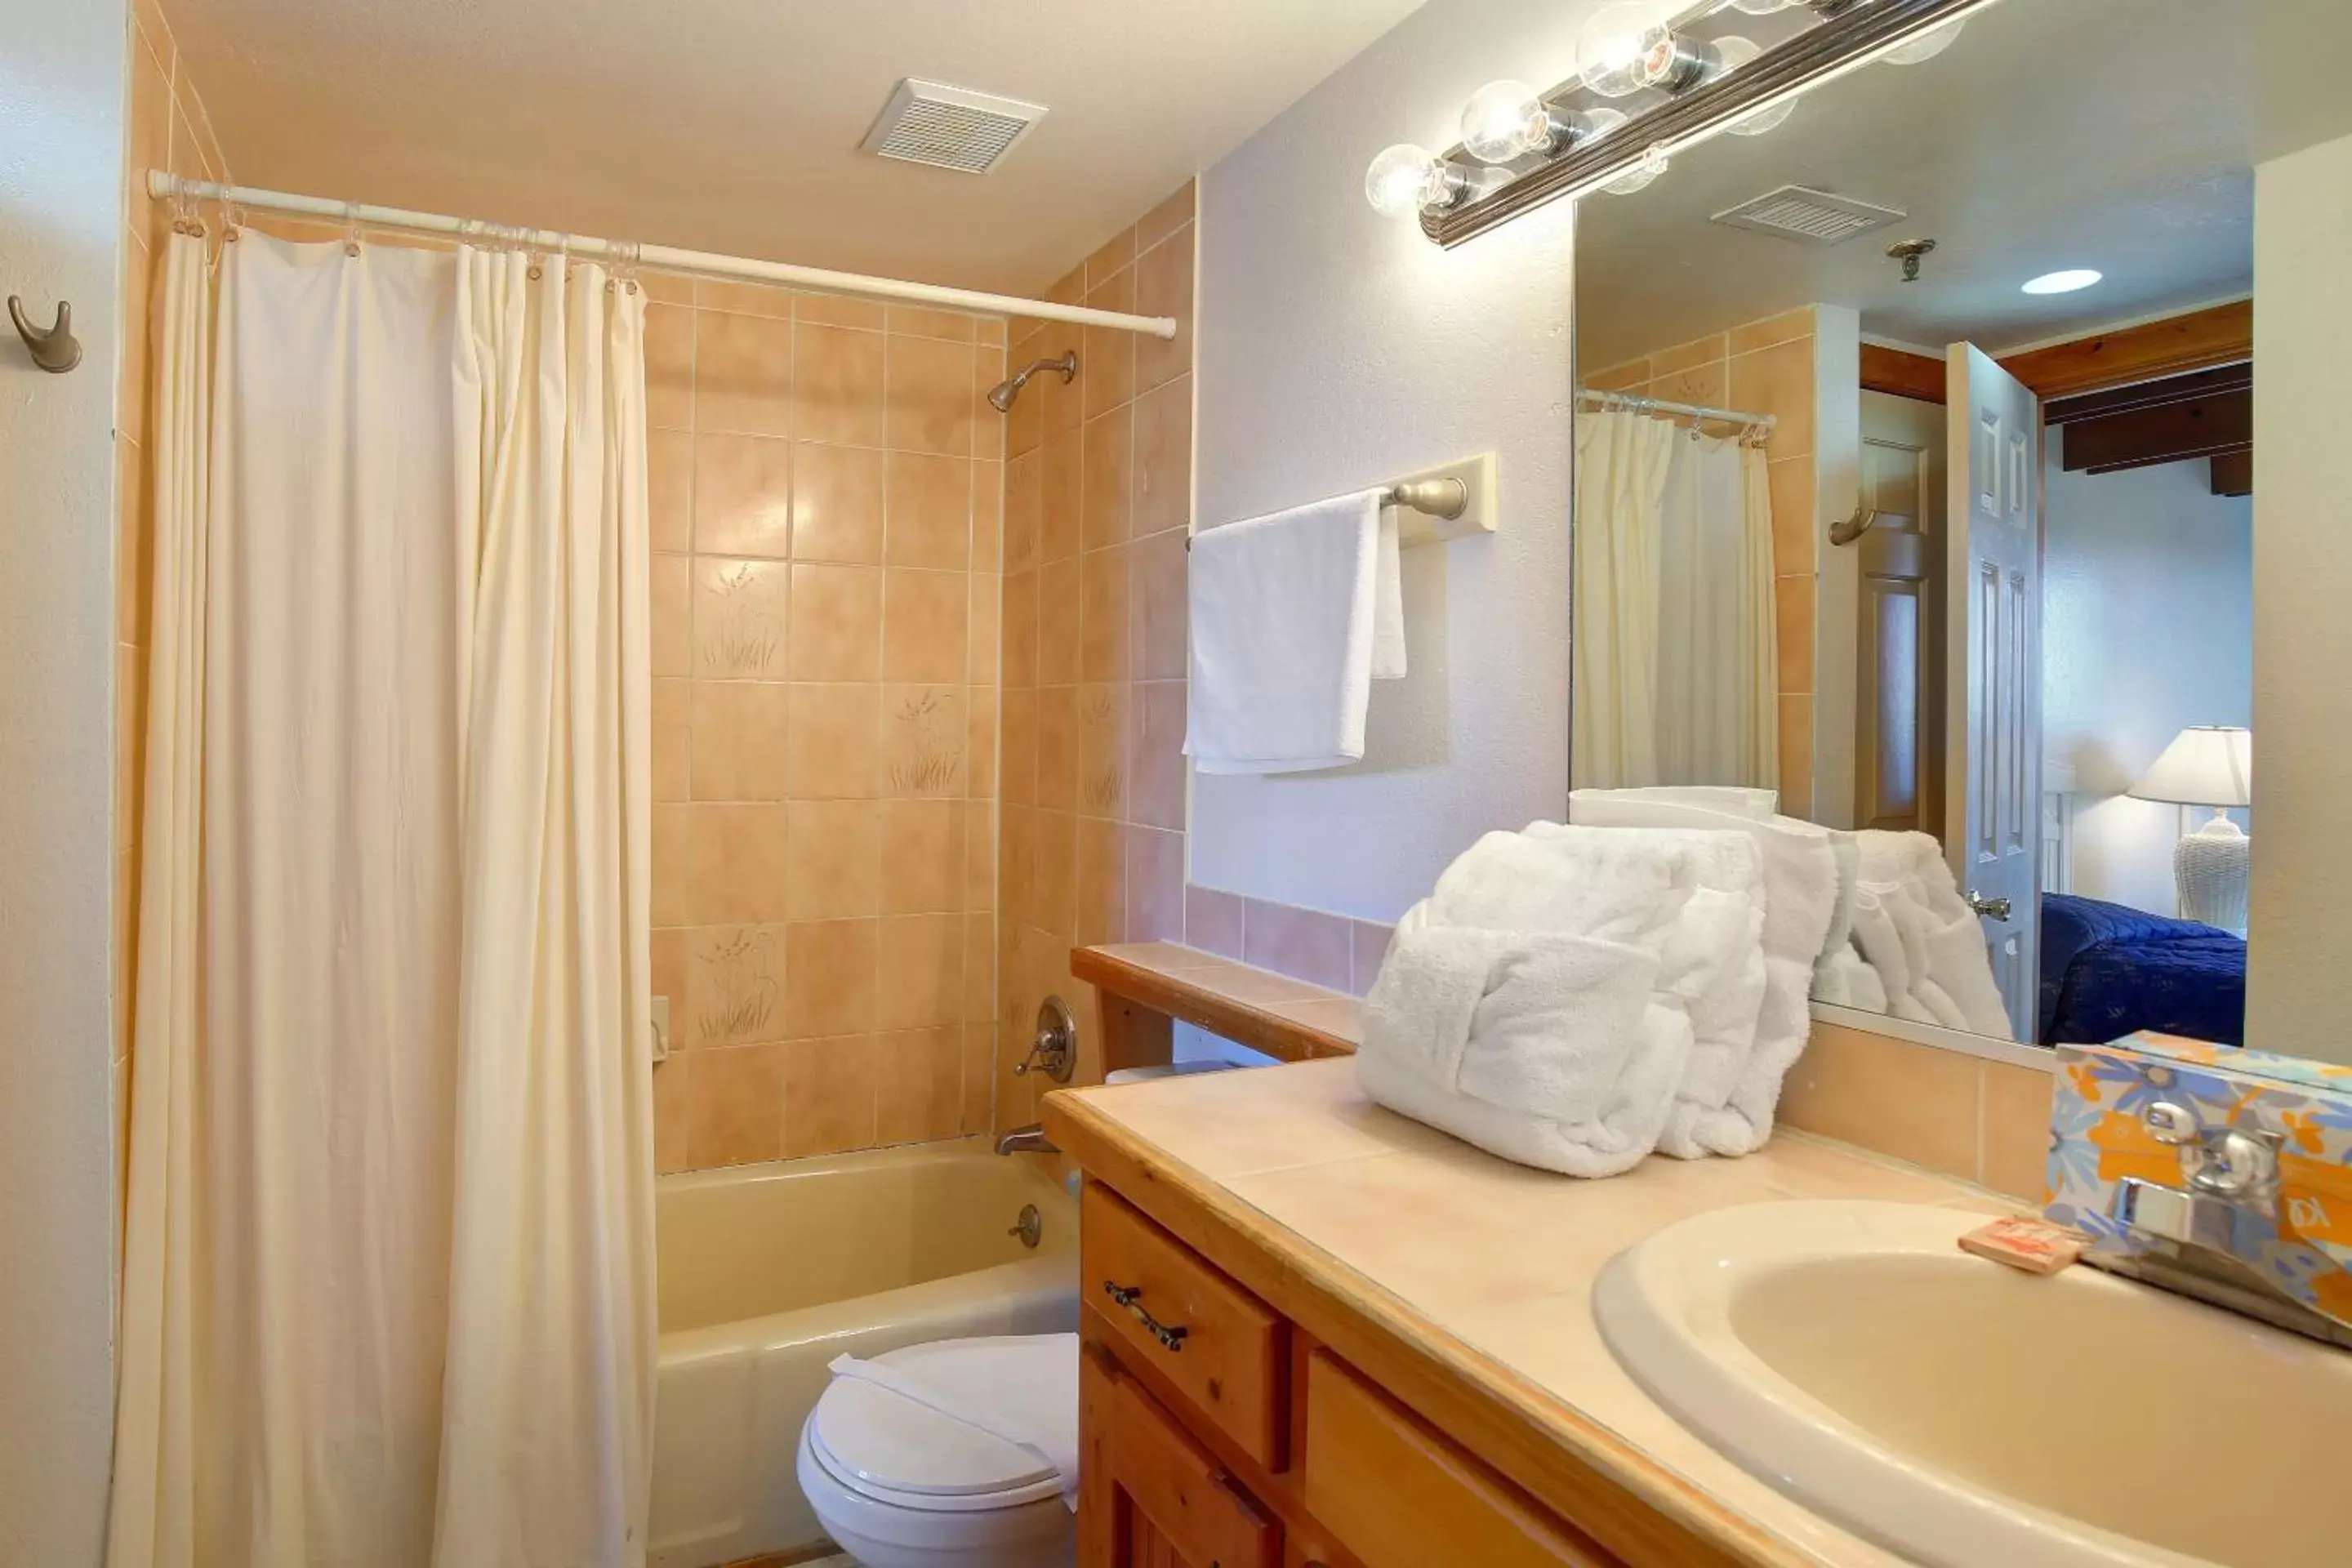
(1055, 1046)
(2233, 1164)
(2238, 1164)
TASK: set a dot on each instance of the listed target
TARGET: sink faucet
(1029, 1140)
(2202, 1239)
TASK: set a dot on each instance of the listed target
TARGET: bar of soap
(2035, 1245)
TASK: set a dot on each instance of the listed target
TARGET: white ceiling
(2113, 134)
(733, 125)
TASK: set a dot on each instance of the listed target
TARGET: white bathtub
(767, 1272)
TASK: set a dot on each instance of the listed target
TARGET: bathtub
(767, 1272)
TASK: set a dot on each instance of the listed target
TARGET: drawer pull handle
(1170, 1335)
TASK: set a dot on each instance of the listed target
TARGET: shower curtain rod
(1639, 403)
(164, 187)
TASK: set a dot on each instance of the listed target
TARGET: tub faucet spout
(1029, 1140)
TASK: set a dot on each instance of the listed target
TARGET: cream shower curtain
(1674, 646)
(388, 1273)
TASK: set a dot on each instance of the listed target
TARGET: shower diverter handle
(1170, 1335)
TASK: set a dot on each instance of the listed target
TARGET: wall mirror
(1914, 437)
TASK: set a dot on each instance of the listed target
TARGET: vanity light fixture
(1735, 52)
(1506, 120)
(1673, 66)
(1640, 176)
(1406, 180)
(1926, 46)
(1625, 48)
(2063, 282)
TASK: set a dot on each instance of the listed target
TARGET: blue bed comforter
(2108, 971)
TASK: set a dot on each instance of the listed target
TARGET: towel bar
(1453, 500)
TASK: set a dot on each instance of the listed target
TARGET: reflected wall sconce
(1650, 81)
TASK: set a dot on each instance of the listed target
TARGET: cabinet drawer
(1400, 1496)
(1214, 1341)
(1167, 1502)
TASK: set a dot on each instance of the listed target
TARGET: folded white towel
(1292, 618)
(1545, 1049)
(1727, 1097)
(1913, 927)
(1845, 848)
(1844, 979)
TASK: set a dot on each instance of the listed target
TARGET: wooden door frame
(2099, 362)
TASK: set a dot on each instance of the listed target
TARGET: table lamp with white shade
(2208, 764)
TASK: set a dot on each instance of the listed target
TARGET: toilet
(898, 1484)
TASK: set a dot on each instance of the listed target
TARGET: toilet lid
(893, 1448)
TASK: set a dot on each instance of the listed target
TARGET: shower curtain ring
(351, 228)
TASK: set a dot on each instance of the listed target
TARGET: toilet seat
(896, 1481)
(898, 1451)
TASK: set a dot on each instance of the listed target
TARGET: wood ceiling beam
(2200, 340)
(2194, 387)
(2234, 474)
(1902, 374)
(2168, 434)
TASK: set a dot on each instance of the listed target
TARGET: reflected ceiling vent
(949, 127)
(1810, 216)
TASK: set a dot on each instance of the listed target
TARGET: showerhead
(1002, 395)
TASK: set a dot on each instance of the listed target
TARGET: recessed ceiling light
(2063, 282)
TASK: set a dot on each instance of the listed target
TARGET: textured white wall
(2147, 613)
(1339, 348)
(61, 129)
(2300, 913)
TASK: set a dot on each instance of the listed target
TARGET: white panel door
(1992, 671)
(1898, 751)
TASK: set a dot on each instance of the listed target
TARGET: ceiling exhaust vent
(1809, 216)
(949, 127)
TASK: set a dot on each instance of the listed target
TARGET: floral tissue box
(2099, 1135)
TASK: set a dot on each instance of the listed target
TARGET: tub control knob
(1055, 1047)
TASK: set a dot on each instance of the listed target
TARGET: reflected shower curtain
(388, 1271)
(1674, 642)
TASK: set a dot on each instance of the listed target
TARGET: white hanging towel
(1294, 615)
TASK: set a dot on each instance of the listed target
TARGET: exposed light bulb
(1504, 120)
(1761, 7)
(1763, 120)
(1926, 46)
(2065, 282)
(1640, 176)
(1406, 179)
(1730, 54)
(1593, 124)
(1612, 45)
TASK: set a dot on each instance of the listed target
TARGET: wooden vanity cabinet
(1215, 1434)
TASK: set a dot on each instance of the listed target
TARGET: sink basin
(1960, 1412)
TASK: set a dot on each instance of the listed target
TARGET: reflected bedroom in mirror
(1914, 461)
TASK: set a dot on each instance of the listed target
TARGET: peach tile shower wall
(1097, 493)
(827, 497)
(168, 129)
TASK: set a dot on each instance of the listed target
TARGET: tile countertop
(1450, 1248)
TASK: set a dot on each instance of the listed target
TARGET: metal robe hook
(57, 350)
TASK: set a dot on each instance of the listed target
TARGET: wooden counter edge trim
(1524, 1432)
(1244, 1022)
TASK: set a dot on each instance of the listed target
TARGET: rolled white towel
(1844, 979)
(1543, 1048)
(1733, 1086)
